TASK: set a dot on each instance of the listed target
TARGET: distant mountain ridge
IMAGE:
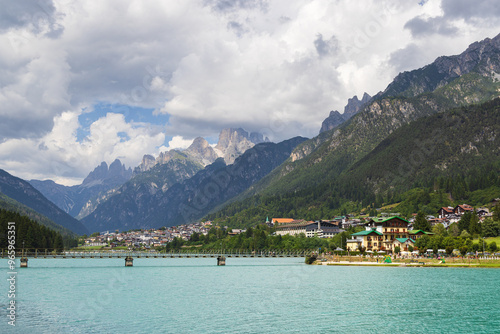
(232, 143)
(72, 199)
(137, 205)
(24, 193)
(480, 57)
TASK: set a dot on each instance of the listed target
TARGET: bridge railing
(46, 253)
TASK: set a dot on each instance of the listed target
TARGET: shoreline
(404, 264)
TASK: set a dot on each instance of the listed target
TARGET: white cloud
(60, 156)
(277, 67)
(178, 142)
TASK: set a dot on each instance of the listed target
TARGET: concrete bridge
(129, 256)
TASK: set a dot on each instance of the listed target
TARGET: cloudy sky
(88, 81)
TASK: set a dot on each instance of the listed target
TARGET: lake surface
(248, 295)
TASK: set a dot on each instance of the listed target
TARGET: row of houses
(147, 237)
(380, 234)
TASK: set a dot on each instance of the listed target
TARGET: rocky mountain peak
(99, 173)
(116, 173)
(201, 151)
(234, 142)
(147, 162)
(354, 105)
(257, 138)
(332, 121)
(199, 144)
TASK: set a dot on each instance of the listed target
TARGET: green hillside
(30, 234)
(437, 160)
(12, 205)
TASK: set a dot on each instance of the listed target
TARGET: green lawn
(489, 240)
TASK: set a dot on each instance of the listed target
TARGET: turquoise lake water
(248, 295)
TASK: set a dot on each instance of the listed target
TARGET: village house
(463, 208)
(445, 211)
(459, 210)
(404, 243)
(309, 229)
(381, 234)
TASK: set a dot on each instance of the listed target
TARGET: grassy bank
(424, 262)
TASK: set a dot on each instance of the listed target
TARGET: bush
(311, 258)
(449, 250)
(493, 246)
(463, 250)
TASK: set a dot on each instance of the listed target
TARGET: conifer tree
(421, 223)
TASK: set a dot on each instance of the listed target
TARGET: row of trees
(463, 243)
(32, 234)
(259, 238)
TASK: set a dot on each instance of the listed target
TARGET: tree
(58, 243)
(493, 247)
(421, 243)
(474, 225)
(194, 237)
(410, 248)
(464, 222)
(397, 249)
(475, 247)
(249, 233)
(465, 235)
(439, 229)
(449, 250)
(421, 223)
(490, 228)
(454, 230)
(496, 212)
(463, 250)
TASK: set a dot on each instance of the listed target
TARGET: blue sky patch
(132, 114)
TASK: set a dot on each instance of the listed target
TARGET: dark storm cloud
(485, 11)
(406, 59)
(17, 126)
(325, 48)
(420, 27)
(469, 10)
(33, 13)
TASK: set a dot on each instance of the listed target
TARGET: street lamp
(483, 246)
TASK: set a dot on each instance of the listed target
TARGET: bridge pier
(129, 261)
(24, 262)
(221, 260)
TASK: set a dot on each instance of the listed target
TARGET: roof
(367, 232)
(403, 240)
(447, 209)
(282, 220)
(296, 223)
(465, 207)
(382, 220)
(417, 231)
